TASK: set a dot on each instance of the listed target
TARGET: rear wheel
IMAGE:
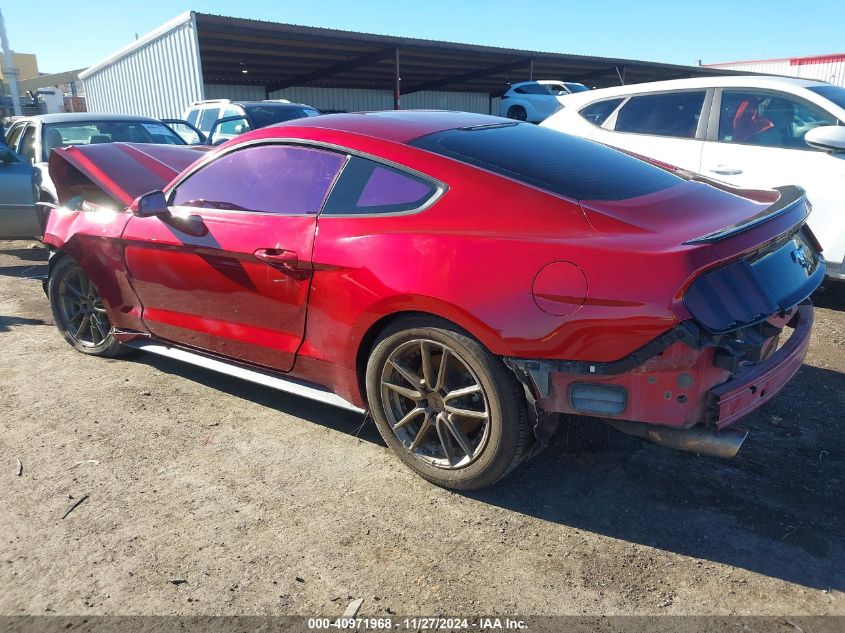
(445, 405)
(79, 312)
(518, 113)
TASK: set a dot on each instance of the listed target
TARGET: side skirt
(301, 388)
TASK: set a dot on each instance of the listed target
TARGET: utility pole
(9, 70)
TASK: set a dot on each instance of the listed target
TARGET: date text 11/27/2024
(417, 623)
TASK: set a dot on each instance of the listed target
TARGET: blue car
(19, 185)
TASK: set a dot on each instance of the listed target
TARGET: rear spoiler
(790, 198)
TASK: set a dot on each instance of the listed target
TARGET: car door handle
(277, 256)
(726, 170)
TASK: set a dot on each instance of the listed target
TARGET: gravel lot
(268, 504)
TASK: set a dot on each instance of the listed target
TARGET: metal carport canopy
(276, 56)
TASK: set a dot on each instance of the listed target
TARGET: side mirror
(830, 138)
(7, 156)
(153, 203)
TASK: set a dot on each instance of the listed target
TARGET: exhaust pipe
(698, 439)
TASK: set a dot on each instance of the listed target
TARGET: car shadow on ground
(36, 253)
(8, 322)
(831, 295)
(37, 267)
(325, 415)
(777, 509)
(30, 271)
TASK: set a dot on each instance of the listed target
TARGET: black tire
(518, 113)
(499, 442)
(87, 329)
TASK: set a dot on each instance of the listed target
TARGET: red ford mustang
(465, 278)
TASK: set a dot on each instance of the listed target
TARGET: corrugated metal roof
(184, 60)
(278, 56)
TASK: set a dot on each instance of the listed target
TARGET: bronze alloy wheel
(435, 403)
(79, 311)
(446, 406)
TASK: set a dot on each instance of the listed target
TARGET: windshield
(57, 135)
(557, 162)
(264, 115)
(831, 93)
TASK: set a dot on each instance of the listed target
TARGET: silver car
(35, 137)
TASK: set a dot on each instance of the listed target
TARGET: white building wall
(158, 75)
(832, 71)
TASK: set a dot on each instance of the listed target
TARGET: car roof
(542, 82)
(399, 126)
(729, 81)
(265, 102)
(270, 102)
(66, 117)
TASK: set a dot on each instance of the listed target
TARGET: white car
(222, 119)
(755, 132)
(535, 100)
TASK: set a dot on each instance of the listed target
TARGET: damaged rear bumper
(676, 382)
(756, 384)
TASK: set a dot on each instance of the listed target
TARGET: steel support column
(621, 75)
(397, 88)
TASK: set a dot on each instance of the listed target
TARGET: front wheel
(79, 312)
(450, 409)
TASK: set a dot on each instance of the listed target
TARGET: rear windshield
(265, 115)
(557, 162)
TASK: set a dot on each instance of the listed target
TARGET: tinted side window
(370, 187)
(193, 115)
(555, 89)
(14, 134)
(537, 89)
(28, 144)
(265, 178)
(207, 118)
(574, 87)
(670, 114)
(231, 128)
(836, 94)
(770, 119)
(597, 113)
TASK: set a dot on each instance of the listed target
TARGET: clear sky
(69, 34)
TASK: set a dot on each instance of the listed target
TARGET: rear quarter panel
(472, 259)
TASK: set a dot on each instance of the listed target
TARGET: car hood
(120, 171)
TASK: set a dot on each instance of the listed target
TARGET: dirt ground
(269, 504)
